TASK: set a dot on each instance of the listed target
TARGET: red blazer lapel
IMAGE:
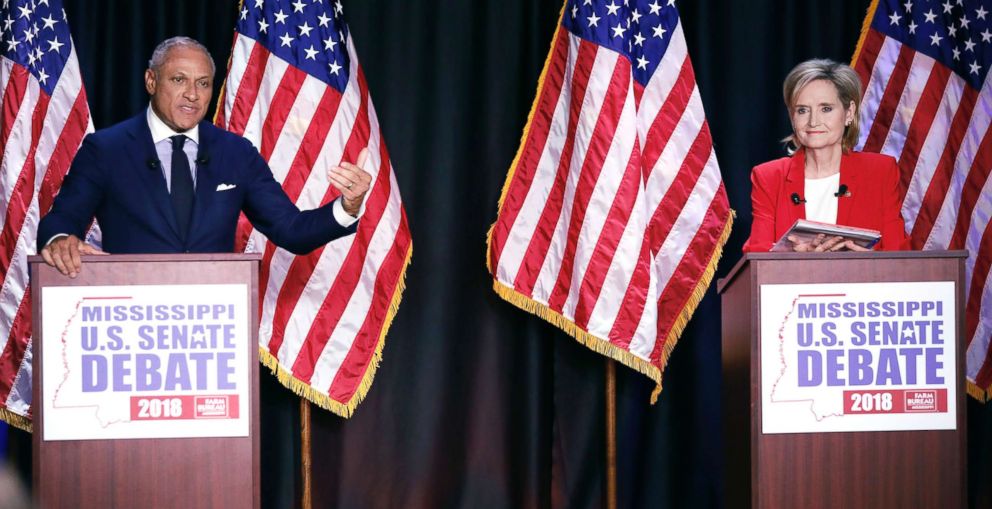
(848, 177)
(795, 185)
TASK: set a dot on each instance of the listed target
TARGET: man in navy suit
(166, 181)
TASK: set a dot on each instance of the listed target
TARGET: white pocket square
(225, 187)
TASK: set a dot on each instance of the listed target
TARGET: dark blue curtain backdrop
(478, 404)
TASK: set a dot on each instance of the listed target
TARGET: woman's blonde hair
(848, 87)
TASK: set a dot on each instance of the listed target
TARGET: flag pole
(306, 501)
(611, 433)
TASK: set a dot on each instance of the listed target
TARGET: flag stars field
(631, 28)
(39, 47)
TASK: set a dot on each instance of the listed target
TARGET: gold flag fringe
(322, 400)
(16, 420)
(980, 394)
(604, 347)
(591, 341)
(865, 26)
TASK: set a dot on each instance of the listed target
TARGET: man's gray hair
(162, 50)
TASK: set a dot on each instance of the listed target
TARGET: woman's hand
(821, 243)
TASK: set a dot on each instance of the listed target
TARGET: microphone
(796, 199)
(842, 191)
(153, 163)
(202, 159)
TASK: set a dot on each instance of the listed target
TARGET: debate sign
(145, 361)
(858, 357)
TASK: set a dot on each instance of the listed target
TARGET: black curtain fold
(478, 404)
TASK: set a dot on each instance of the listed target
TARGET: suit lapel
(848, 177)
(795, 185)
(149, 171)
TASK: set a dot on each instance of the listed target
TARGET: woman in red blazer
(824, 179)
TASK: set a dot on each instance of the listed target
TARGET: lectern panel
(144, 444)
(840, 468)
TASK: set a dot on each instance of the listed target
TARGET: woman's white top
(821, 204)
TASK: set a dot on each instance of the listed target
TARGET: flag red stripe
(537, 248)
(17, 209)
(332, 308)
(599, 146)
(609, 239)
(68, 143)
(349, 377)
(534, 144)
(23, 192)
(678, 193)
(919, 128)
(941, 180)
(65, 149)
(299, 170)
(634, 299)
(668, 117)
(980, 274)
(301, 269)
(971, 190)
(664, 218)
(16, 346)
(244, 103)
(242, 233)
(890, 100)
(690, 269)
(661, 222)
(13, 98)
(870, 50)
(313, 141)
(248, 87)
(282, 103)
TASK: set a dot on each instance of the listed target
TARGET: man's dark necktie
(182, 185)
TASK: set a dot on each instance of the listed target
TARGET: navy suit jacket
(116, 178)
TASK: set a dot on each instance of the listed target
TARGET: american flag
(43, 118)
(927, 102)
(295, 89)
(613, 215)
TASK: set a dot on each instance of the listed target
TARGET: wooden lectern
(875, 469)
(204, 472)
